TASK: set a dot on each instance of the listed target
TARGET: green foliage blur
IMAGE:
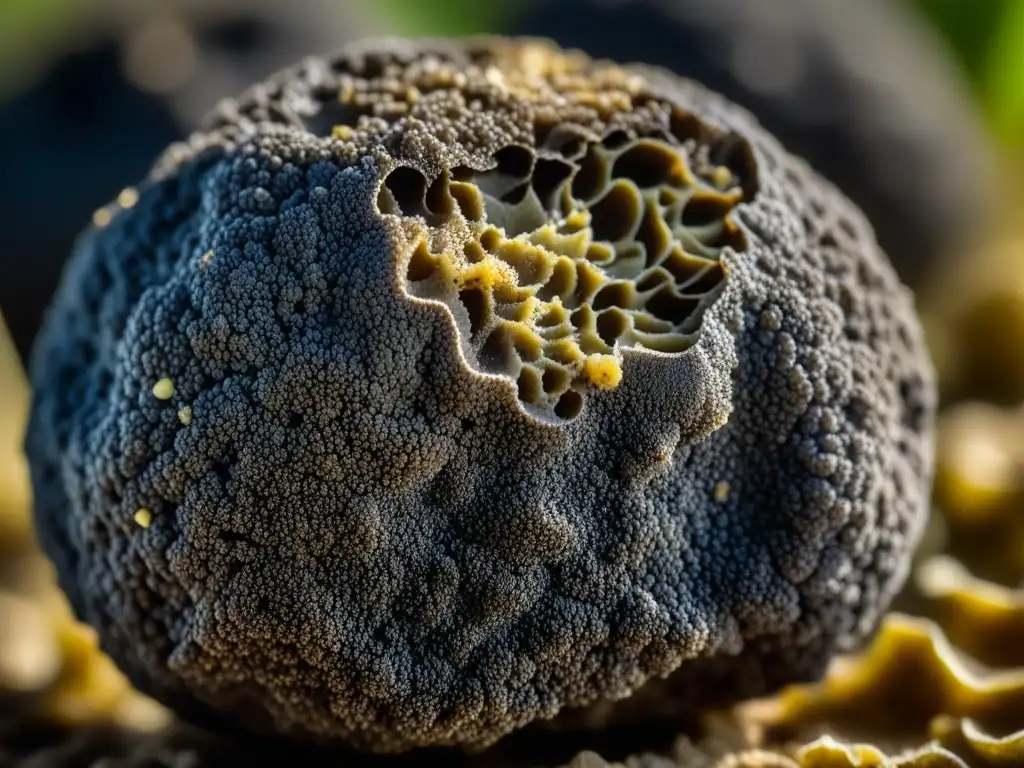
(987, 37)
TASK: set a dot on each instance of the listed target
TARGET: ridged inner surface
(569, 252)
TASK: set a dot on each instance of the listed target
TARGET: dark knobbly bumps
(439, 387)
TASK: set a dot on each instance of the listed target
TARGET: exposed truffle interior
(561, 251)
(578, 247)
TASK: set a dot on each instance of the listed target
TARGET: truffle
(514, 380)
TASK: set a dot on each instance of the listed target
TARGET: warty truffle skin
(394, 495)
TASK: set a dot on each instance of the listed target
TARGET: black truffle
(440, 386)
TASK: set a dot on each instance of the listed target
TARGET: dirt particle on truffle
(163, 389)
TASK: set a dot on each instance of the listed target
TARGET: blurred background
(915, 108)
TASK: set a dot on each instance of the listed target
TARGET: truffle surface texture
(437, 387)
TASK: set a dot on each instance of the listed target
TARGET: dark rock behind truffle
(862, 90)
(80, 133)
(319, 448)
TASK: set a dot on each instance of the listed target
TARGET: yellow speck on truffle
(721, 177)
(721, 491)
(185, 415)
(342, 132)
(143, 517)
(163, 389)
(129, 196)
(101, 217)
(206, 259)
(495, 77)
(603, 371)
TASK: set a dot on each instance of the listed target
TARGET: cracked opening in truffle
(571, 260)
(560, 253)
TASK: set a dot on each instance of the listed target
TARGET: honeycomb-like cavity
(560, 253)
(571, 251)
